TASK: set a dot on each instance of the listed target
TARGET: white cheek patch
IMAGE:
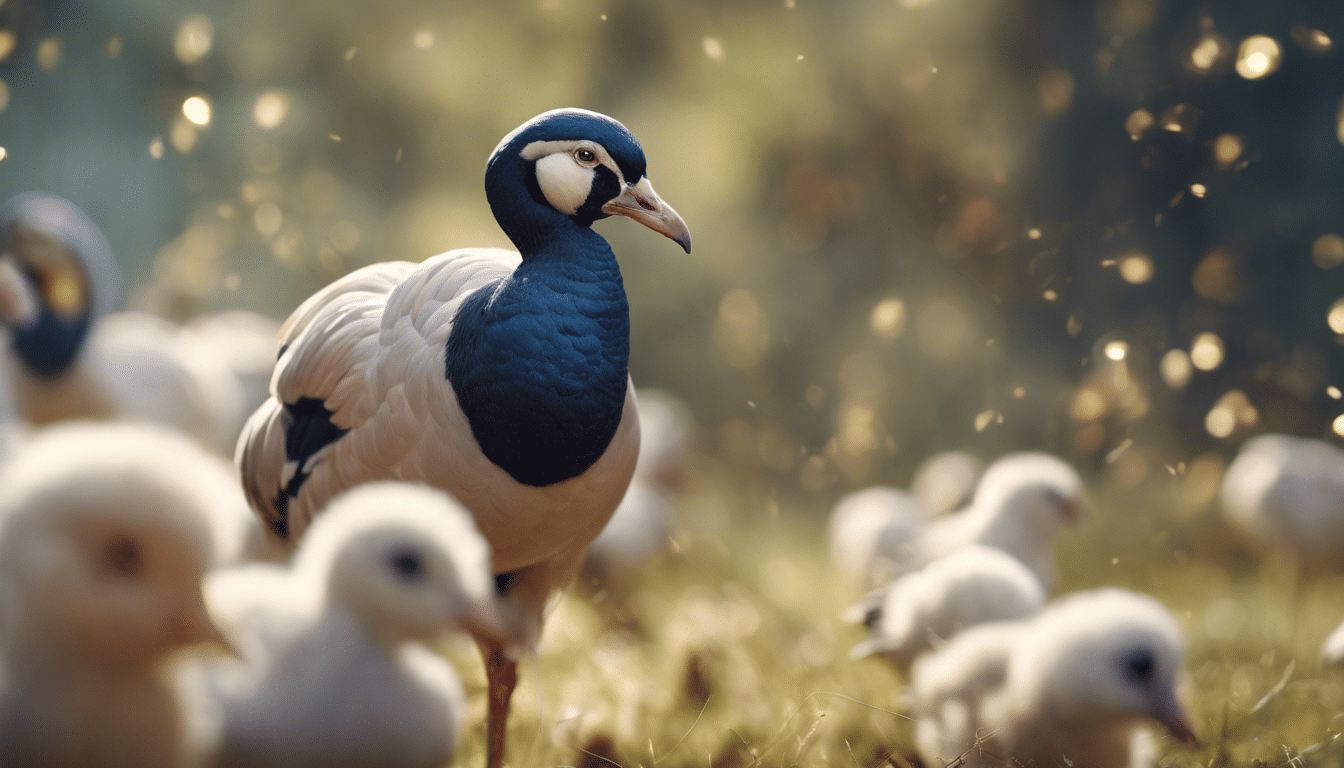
(564, 182)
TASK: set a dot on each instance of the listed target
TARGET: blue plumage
(539, 360)
(309, 430)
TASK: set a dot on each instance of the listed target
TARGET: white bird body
(101, 558)
(921, 611)
(371, 345)
(946, 481)
(1332, 650)
(333, 670)
(872, 534)
(1072, 686)
(1020, 505)
(1288, 492)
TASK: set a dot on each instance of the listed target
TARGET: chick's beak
(193, 625)
(1172, 715)
(639, 202)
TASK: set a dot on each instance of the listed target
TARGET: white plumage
(946, 481)
(1288, 492)
(642, 526)
(872, 534)
(101, 557)
(1022, 502)
(921, 611)
(370, 345)
(335, 670)
(1069, 687)
(69, 358)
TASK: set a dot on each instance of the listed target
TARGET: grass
(730, 653)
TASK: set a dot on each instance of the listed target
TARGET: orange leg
(502, 676)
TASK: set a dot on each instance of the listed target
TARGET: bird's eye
(123, 557)
(1139, 665)
(585, 156)
(407, 565)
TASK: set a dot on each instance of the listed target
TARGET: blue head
(56, 274)
(568, 168)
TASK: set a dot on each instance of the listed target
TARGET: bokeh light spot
(1136, 268)
(1226, 149)
(888, 318)
(7, 43)
(1176, 368)
(1206, 351)
(1205, 53)
(1138, 123)
(270, 110)
(267, 218)
(1259, 56)
(1116, 350)
(1335, 318)
(197, 110)
(713, 48)
(1328, 251)
(194, 38)
(49, 53)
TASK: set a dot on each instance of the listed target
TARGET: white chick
(641, 527)
(1332, 651)
(946, 481)
(921, 611)
(1023, 501)
(872, 535)
(341, 677)
(101, 557)
(1288, 492)
(1073, 686)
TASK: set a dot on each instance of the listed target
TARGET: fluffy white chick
(335, 644)
(1332, 650)
(946, 481)
(921, 611)
(102, 552)
(1021, 504)
(1073, 686)
(642, 525)
(1285, 492)
(872, 534)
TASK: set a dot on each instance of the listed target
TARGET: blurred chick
(336, 673)
(1284, 492)
(641, 528)
(69, 358)
(946, 481)
(872, 535)
(1069, 687)
(101, 557)
(921, 611)
(1021, 504)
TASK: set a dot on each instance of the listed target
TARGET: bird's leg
(501, 673)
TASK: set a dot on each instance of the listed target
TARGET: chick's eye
(123, 558)
(585, 156)
(407, 565)
(1139, 665)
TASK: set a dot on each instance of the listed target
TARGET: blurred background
(1109, 229)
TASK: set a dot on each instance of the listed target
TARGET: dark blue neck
(49, 347)
(539, 361)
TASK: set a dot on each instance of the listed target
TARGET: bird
(923, 610)
(102, 553)
(872, 534)
(70, 356)
(336, 668)
(1332, 650)
(1071, 686)
(642, 526)
(1286, 493)
(499, 376)
(1020, 505)
(946, 481)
